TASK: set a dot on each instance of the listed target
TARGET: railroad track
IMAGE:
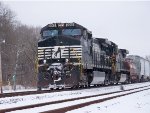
(69, 108)
(94, 99)
(3, 95)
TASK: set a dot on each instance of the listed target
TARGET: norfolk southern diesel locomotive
(69, 56)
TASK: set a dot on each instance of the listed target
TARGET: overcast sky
(125, 23)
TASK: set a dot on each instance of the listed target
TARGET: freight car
(69, 56)
(140, 69)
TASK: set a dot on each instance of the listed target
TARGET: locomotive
(69, 56)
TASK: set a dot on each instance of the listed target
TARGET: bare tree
(27, 41)
(19, 52)
(7, 21)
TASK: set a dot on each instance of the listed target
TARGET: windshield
(65, 32)
(71, 32)
(50, 33)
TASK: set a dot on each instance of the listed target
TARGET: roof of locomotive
(124, 50)
(105, 40)
(64, 25)
(137, 57)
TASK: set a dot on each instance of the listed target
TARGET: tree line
(18, 44)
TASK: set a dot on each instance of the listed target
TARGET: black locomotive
(69, 56)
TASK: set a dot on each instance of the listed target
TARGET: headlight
(44, 61)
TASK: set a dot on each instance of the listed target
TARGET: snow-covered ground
(66, 104)
(10, 102)
(134, 103)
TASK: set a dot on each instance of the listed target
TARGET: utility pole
(16, 66)
(1, 78)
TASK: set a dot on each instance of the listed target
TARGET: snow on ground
(66, 104)
(134, 103)
(10, 102)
